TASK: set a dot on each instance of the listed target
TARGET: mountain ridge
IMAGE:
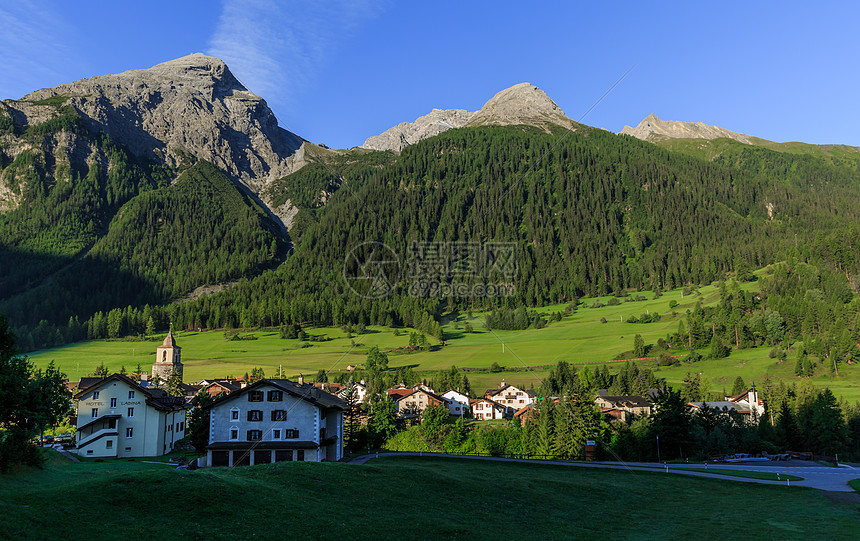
(653, 128)
(522, 103)
(193, 104)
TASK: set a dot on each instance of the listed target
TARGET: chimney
(502, 384)
(301, 380)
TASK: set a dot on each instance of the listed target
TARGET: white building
(484, 409)
(360, 391)
(117, 417)
(275, 420)
(511, 397)
(458, 403)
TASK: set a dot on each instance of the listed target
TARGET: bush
(667, 360)
(603, 320)
(613, 301)
(673, 303)
(495, 367)
(597, 304)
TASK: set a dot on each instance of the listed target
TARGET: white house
(275, 420)
(484, 409)
(360, 391)
(748, 404)
(458, 403)
(511, 397)
(117, 417)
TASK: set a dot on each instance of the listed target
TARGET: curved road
(827, 478)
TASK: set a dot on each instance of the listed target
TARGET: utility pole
(658, 449)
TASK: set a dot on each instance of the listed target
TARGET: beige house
(411, 403)
(622, 407)
(117, 417)
(512, 398)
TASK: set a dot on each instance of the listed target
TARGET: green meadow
(456, 499)
(581, 339)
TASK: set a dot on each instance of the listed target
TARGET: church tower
(167, 359)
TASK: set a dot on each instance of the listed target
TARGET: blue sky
(337, 72)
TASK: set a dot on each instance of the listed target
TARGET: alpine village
(214, 328)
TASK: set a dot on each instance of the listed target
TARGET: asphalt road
(827, 478)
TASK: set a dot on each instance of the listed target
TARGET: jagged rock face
(652, 128)
(520, 104)
(191, 105)
(409, 133)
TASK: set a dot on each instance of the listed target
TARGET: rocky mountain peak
(523, 103)
(190, 105)
(653, 129)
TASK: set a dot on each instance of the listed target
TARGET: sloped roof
(628, 400)
(157, 398)
(169, 342)
(318, 397)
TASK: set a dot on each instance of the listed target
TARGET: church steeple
(168, 358)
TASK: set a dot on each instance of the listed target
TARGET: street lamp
(658, 449)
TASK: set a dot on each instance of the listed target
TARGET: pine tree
(638, 346)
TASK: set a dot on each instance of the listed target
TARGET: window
(96, 395)
(279, 415)
(89, 451)
(130, 412)
(182, 426)
(291, 434)
(164, 356)
(300, 454)
(95, 412)
(177, 427)
(255, 435)
(109, 444)
(255, 396)
(128, 449)
(276, 396)
(276, 434)
(113, 402)
(130, 395)
(234, 433)
(129, 432)
(234, 414)
(255, 415)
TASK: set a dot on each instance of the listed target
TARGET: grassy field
(455, 499)
(579, 339)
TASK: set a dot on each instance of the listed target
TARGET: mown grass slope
(406, 498)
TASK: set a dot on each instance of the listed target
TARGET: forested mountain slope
(590, 213)
(159, 246)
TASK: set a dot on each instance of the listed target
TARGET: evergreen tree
(739, 386)
(638, 346)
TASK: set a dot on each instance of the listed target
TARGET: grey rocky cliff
(520, 104)
(652, 128)
(190, 105)
(409, 133)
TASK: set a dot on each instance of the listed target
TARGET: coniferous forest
(590, 213)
